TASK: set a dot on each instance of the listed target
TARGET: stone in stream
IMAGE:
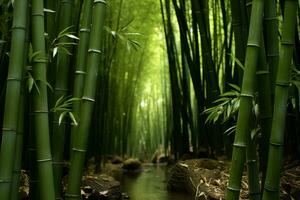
(132, 164)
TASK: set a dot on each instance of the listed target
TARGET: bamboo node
(88, 99)
(277, 144)
(14, 27)
(273, 55)
(66, 2)
(80, 72)
(270, 188)
(240, 145)
(87, 30)
(247, 95)
(287, 42)
(61, 89)
(235, 189)
(57, 162)
(9, 129)
(283, 84)
(100, 1)
(79, 150)
(94, 51)
(35, 14)
(13, 79)
(270, 18)
(39, 111)
(262, 72)
(44, 160)
(72, 195)
(57, 122)
(235, 24)
(251, 161)
(253, 44)
(5, 181)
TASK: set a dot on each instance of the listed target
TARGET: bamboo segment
(40, 104)
(246, 101)
(271, 39)
(88, 99)
(61, 89)
(271, 187)
(81, 58)
(13, 88)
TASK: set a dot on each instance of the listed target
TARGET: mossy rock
(132, 164)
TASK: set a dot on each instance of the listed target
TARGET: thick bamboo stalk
(271, 187)
(246, 101)
(81, 58)
(88, 99)
(13, 88)
(40, 104)
(61, 89)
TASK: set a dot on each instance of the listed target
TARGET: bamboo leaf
(49, 10)
(61, 117)
(237, 61)
(72, 36)
(73, 118)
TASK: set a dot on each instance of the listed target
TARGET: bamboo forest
(150, 99)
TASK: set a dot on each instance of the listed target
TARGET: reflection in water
(150, 185)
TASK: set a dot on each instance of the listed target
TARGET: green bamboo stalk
(18, 152)
(13, 89)
(81, 58)
(246, 99)
(265, 109)
(40, 104)
(61, 89)
(239, 37)
(87, 104)
(271, 187)
(271, 39)
(20, 129)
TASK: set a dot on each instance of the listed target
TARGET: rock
(113, 170)
(102, 187)
(132, 164)
(117, 160)
(199, 177)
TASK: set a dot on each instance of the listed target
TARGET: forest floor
(201, 178)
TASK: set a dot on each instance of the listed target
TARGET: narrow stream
(151, 184)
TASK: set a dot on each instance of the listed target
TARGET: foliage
(226, 107)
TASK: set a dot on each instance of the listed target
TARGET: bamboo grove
(90, 78)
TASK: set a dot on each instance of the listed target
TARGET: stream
(150, 184)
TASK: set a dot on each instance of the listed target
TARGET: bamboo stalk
(88, 99)
(61, 89)
(271, 187)
(13, 89)
(40, 104)
(246, 101)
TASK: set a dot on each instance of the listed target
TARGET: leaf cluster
(226, 106)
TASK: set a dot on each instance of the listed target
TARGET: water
(150, 185)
